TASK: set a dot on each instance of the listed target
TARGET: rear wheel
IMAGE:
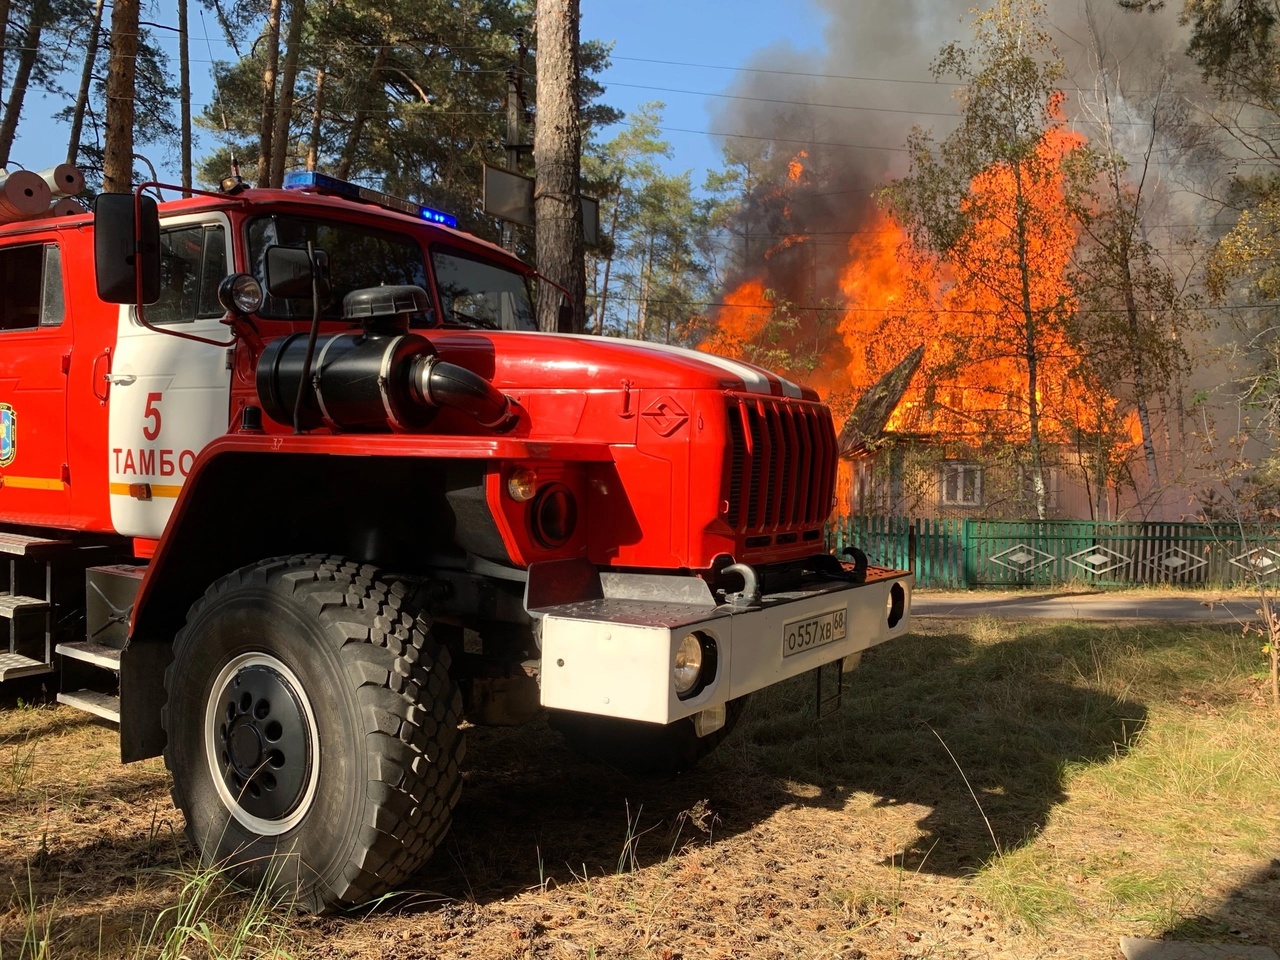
(643, 749)
(312, 731)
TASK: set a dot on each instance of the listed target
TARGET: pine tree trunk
(356, 131)
(557, 148)
(117, 158)
(86, 78)
(317, 117)
(267, 125)
(184, 90)
(5, 7)
(284, 111)
(26, 60)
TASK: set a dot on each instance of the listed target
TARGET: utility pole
(515, 107)
(557, 151)
(184, 90)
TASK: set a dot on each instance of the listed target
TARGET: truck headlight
(240, 293)
(694, 666)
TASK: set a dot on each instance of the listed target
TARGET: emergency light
(323, 183)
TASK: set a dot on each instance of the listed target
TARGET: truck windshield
(478, 293)
(359, 257)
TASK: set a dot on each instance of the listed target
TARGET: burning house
(831, 290)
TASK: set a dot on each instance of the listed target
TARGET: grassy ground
(987, 790)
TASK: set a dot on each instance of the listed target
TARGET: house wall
(929, 482)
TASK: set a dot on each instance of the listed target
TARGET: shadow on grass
(929, 721)
(1247, 914)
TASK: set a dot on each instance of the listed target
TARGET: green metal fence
(960, 554)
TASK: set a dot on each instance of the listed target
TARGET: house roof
(871, 415)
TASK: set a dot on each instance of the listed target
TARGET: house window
(961, 485)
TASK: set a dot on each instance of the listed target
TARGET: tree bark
(5, 7)
(557, 149)
(284, 110)
(317, 117)
(86, 78)
(117, 158)
(267, 125)
(26, 60)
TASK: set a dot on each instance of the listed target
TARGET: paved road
(1085, 606)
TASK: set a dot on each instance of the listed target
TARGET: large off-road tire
(312, 731)
(641, 749)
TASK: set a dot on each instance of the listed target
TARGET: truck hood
(555, 361)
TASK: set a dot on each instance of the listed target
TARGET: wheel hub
(262, 740)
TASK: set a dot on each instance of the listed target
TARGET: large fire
(976, 319)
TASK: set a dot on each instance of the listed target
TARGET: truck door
(169, 396)
(35, 355)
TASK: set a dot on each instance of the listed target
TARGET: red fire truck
(291, 486)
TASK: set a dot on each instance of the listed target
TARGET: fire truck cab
(291, 486)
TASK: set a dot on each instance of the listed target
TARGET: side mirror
(290, 271)
(564, 318)
(118, 258)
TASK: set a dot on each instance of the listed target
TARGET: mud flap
(142, 694)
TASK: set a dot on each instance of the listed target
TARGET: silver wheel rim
(220, 728)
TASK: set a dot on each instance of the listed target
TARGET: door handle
(101, 360)
(119, 379)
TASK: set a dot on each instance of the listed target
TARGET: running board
(92, 701)
(14, 665)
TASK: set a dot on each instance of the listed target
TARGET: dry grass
(988, 790)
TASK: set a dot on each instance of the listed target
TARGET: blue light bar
(323, 183)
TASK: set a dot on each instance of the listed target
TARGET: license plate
(801, 635)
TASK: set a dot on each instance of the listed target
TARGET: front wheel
(312, 731)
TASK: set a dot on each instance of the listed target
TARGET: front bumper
(613, 656)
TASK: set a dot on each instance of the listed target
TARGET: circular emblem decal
(8, 434)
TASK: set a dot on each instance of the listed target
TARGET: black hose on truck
(381, 379)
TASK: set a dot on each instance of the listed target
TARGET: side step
(13, 663)
(92, 701)
(97, 655)
(36, 548)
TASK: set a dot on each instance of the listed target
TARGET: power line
(795, 103)
(789, 73)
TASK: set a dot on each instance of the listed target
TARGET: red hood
(559, 361)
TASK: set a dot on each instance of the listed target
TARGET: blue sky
(719, 35)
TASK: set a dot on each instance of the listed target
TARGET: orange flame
(795, 169)
(974, 376)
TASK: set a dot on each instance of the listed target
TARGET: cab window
(31, 293)
(478, 293)
(193, 261)
(356, 256)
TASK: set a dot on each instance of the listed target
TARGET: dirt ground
(856, 836)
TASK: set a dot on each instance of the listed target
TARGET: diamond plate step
(11, 606)
(91, 701)
(99, 654)
(14, 665)
(24, 546)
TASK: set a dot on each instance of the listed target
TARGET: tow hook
(750, 594)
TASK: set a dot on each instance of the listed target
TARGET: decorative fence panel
(959, 554)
